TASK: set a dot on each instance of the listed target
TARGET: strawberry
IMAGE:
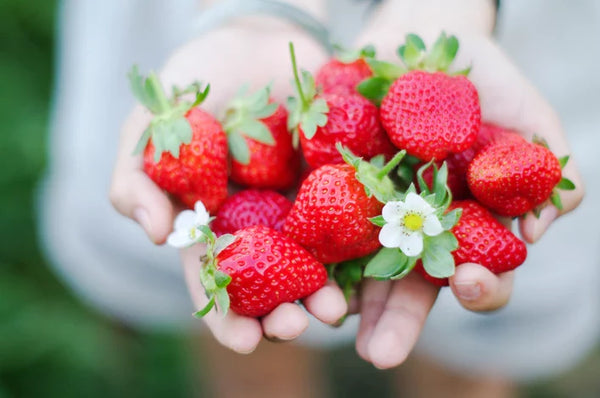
(331, 213)
(343, 73)
(458, 163)
(319, 121)
(185, 148)
(514, 178)
(258, 269)
(251, 207)
(482, 240)
(259, 142)
(426, 110)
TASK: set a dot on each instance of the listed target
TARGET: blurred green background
(51, 345)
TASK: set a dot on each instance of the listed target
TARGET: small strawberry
(343, 73)
(482, 240)
(260, 144)
(185, 148)
(514, 178)
(251, 207)
(331, 214)
(255, 270)
(319, 121)
(426, 110)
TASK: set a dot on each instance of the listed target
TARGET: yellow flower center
(413, 221)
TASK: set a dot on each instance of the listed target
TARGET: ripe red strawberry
(259, 141)
(424, 108)
(431, 114)
(352, 121)
(343, 73)
(458, 163)
(320, 121)
(512, 179)
(482, 240)
(266, 269)
(185, 148)
(251, 207)
(330, 216)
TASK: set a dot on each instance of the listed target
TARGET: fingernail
(141, 216)
(468, 291)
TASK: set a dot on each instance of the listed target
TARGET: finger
(132, 192)
(238, 333)
(286, 322)
(478, 289)
(327, 304)
(374, 295)
(400, 324)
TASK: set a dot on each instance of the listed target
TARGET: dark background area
(52, 345)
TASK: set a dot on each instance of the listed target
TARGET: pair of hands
(392, 312)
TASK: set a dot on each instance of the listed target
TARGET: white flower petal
(416, 203)
(391, 235)
(185, 220)
(180, 239)
(393, 211)
(202, 215)
(432, 225)
(412, 245)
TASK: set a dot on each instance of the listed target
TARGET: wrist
(429, 17)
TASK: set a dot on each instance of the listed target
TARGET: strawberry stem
(160, 96)
(305, 103)
(389, 166)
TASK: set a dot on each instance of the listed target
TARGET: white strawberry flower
(407, 222)
(187, 226)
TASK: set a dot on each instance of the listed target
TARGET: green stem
(305, 103)
(163, 102)
(391, 164)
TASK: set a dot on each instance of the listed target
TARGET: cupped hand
(394, 312)
(254, 52)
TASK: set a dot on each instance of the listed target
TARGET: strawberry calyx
(169, 128)
(306, 111)
(409, 215)
(213, 280)
(347, 56)
(242, 119)
(414, 56)
(374, 175)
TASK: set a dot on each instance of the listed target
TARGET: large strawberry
(185, 148)
(251, 207)
(319, 121)
(255, 270)
(482, 240)
(259, 141)
(514, 178)
(342, 73)
(331, 213)
(426, 110)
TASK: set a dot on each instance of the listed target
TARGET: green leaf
(386, 70)
(206, 309)
(265, 111)
(556, 201)
(410, 264)
(445, 240)
(451, 218)
(463, 72)
(377, 220)
(378, 161)
(308, 85)
(374, 89)
(256, 130)
(440, 187)
(143, 142)
(563, 161)
(565, 184)
(315, 117)
(450, 50)
(222, 279)
(238, 147)
(386, 263)
(411, 55)
(423, 187)
(415, 41)
(222, 301)
(438, 262)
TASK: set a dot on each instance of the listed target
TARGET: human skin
(392, 313)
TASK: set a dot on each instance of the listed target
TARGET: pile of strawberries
(389, 167)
